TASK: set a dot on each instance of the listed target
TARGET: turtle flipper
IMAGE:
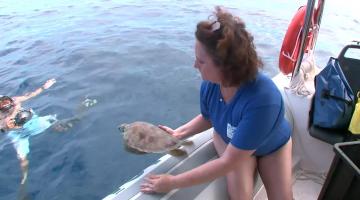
(132, 150)
(65, 124)
(187, 143)
(178, 152)
(59, 126)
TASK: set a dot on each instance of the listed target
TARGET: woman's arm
(196, 125)
(213, 169)
(204, 173)
(29, 95)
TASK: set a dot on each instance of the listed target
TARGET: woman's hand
(197, 125)
(171, 131)
(158, 183)
(49, 83)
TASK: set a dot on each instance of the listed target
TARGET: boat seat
(351, 69)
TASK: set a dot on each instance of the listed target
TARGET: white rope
(306, 72)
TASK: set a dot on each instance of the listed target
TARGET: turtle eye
(121, 128)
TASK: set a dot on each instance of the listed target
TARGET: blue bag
(333, 99)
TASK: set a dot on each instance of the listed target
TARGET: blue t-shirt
(36, 125)
(252, 120)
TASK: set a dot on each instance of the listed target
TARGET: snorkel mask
(22, 117)
(6, 104)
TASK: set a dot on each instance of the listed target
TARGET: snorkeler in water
(10, 107)
(19, 123)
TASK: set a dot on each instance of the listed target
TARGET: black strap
(326, 94)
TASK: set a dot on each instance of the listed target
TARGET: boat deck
(306, 186)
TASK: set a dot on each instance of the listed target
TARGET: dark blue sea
(135, 57)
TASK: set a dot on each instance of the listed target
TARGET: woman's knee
(240, 192)
(241, 181)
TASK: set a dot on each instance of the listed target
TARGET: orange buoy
(290, 48)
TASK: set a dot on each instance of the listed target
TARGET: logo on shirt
(230, 130)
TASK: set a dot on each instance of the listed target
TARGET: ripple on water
(21, 62)
(6, 17)
(15, 42)
(74, 59)
(35, 44)
(50, 12)
(8, 51)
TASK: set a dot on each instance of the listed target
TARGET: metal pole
(305, 32)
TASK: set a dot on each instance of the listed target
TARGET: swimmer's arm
(30, 95)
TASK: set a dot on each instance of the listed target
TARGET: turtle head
(122, 128)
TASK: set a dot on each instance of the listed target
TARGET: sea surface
(135, 57)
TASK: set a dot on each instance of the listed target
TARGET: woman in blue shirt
(246, 110)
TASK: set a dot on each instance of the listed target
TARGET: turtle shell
(148, 138)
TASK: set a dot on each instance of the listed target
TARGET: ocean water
(135, 57)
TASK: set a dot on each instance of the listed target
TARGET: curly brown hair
(231, 47)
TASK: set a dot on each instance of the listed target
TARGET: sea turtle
(64, 125)
(142, 137)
